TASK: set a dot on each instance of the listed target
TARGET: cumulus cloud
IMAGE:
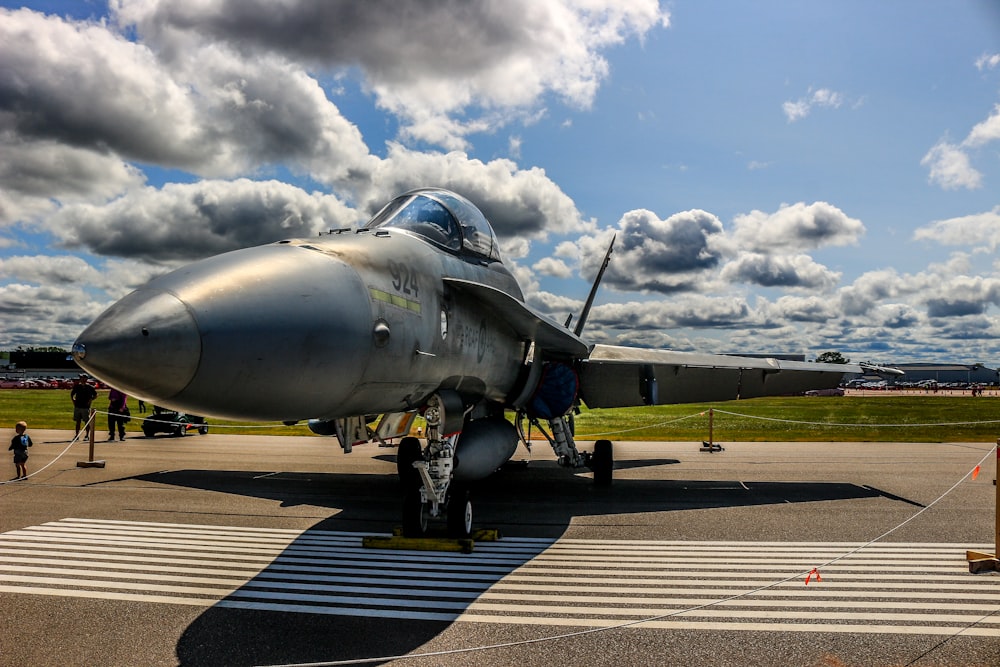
(37, 173)
(805, 309)
(677, 312)
(823, 98)
(446, 68)
(44, 314)
(796, 227)
(212, 113)
(797, 271)
(988, 61)
(549, 266)
(950, 165)
(206, 218)
(984, 132)
(655, 255)
(977, 230)
(958, 296)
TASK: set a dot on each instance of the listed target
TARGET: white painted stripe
(108, 595)
(686, 602)
(116, 585)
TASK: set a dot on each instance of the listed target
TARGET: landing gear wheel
(603, 463)
(459, 513)
(414, 513)
(408, 452)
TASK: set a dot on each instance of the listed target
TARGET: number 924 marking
(404, 279)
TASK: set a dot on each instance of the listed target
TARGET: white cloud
(446, 69)
(981, 229)
(988, 61)
(655, 255)
(796, 271)
(985, 131)
(802, 107)
(950, 167)
(549, 266)
(205, 218)
(796, 227)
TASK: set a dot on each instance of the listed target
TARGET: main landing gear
(601, 461)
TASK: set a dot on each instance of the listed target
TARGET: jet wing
(614, 377)
(525, 320)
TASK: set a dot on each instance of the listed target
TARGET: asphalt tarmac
(246, 550)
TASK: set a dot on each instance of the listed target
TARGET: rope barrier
(865, 425)
(791, 421)
(639, 428)
(76, 438)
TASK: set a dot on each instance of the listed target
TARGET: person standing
(118, 413)
(82, 395)
(19, 445)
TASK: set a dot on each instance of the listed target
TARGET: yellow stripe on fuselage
(395, 300)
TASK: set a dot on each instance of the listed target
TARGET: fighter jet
(413, 313)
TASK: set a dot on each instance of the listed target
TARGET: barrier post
(710, 446)
(984, 562)
(91, 430)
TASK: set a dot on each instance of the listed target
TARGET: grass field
(885, 418)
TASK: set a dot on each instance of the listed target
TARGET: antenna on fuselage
(585, 313)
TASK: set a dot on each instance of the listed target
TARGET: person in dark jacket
(82, 395)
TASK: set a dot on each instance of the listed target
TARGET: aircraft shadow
(536, 501)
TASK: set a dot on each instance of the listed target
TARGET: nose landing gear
(429, 493)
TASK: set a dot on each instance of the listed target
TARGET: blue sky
(783, 177)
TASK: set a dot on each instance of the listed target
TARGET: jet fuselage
(345, 324)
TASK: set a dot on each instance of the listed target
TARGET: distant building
(946, 374)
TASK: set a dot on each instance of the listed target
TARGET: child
(19, 444)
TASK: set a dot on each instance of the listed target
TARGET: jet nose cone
(147, 329)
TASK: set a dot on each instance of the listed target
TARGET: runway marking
(911, 588)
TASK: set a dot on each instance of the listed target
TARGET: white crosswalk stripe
(911, 588)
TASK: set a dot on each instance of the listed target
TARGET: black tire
(414, 514)
(148, 432)
(408, 452)
(179, 430)
(459, 512)
(203, 430)
(603, 463)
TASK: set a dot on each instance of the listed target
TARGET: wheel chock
(478, 535)
(982, 562)
(431, 542)
(464, 546)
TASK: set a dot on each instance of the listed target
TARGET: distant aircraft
(413, 313)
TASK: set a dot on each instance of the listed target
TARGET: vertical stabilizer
(585, 313)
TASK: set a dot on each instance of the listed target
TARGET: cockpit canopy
(443, 218)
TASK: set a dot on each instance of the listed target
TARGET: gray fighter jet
(413, 313)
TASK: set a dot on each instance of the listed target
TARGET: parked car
(162, 420)
(835, 391)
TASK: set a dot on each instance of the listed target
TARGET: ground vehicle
(172, 422)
